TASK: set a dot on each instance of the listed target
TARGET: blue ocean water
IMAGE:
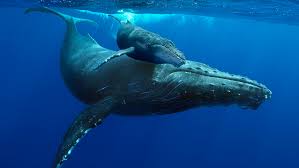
(36, 107)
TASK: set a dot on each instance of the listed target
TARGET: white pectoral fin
(115, 55)
(125, 51)
(88, 119)
(122, 52)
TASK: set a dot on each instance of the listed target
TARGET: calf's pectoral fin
(124, 51)
(88, 119)
(117, 54)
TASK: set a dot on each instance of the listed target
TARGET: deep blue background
(36, 107)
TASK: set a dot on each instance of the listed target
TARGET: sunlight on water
(274, 11)
(154, 18)
(144, 18)
(149, 19)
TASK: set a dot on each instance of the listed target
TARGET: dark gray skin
(148, 46)
(127, 86)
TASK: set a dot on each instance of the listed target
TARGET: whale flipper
(125, 51)
(83, 123)
(115, 55)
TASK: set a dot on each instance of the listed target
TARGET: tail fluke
(70, 20)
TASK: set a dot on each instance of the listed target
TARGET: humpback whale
(147, 46)
(127, 86)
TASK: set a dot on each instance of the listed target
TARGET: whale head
(197, 84)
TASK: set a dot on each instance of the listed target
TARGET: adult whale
(128, 86)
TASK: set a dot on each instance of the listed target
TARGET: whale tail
(72, 37)
(70, 20)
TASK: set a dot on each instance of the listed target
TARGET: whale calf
(128, 86)
(147, 46)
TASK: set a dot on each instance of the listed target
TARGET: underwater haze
(37, 108)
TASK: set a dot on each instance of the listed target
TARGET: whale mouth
(223, 88)
(254, 93)
(236, 78)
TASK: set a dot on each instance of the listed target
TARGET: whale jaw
(200, 85)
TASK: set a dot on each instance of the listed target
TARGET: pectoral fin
(125, 51)
(88, 119)
(115, 55)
